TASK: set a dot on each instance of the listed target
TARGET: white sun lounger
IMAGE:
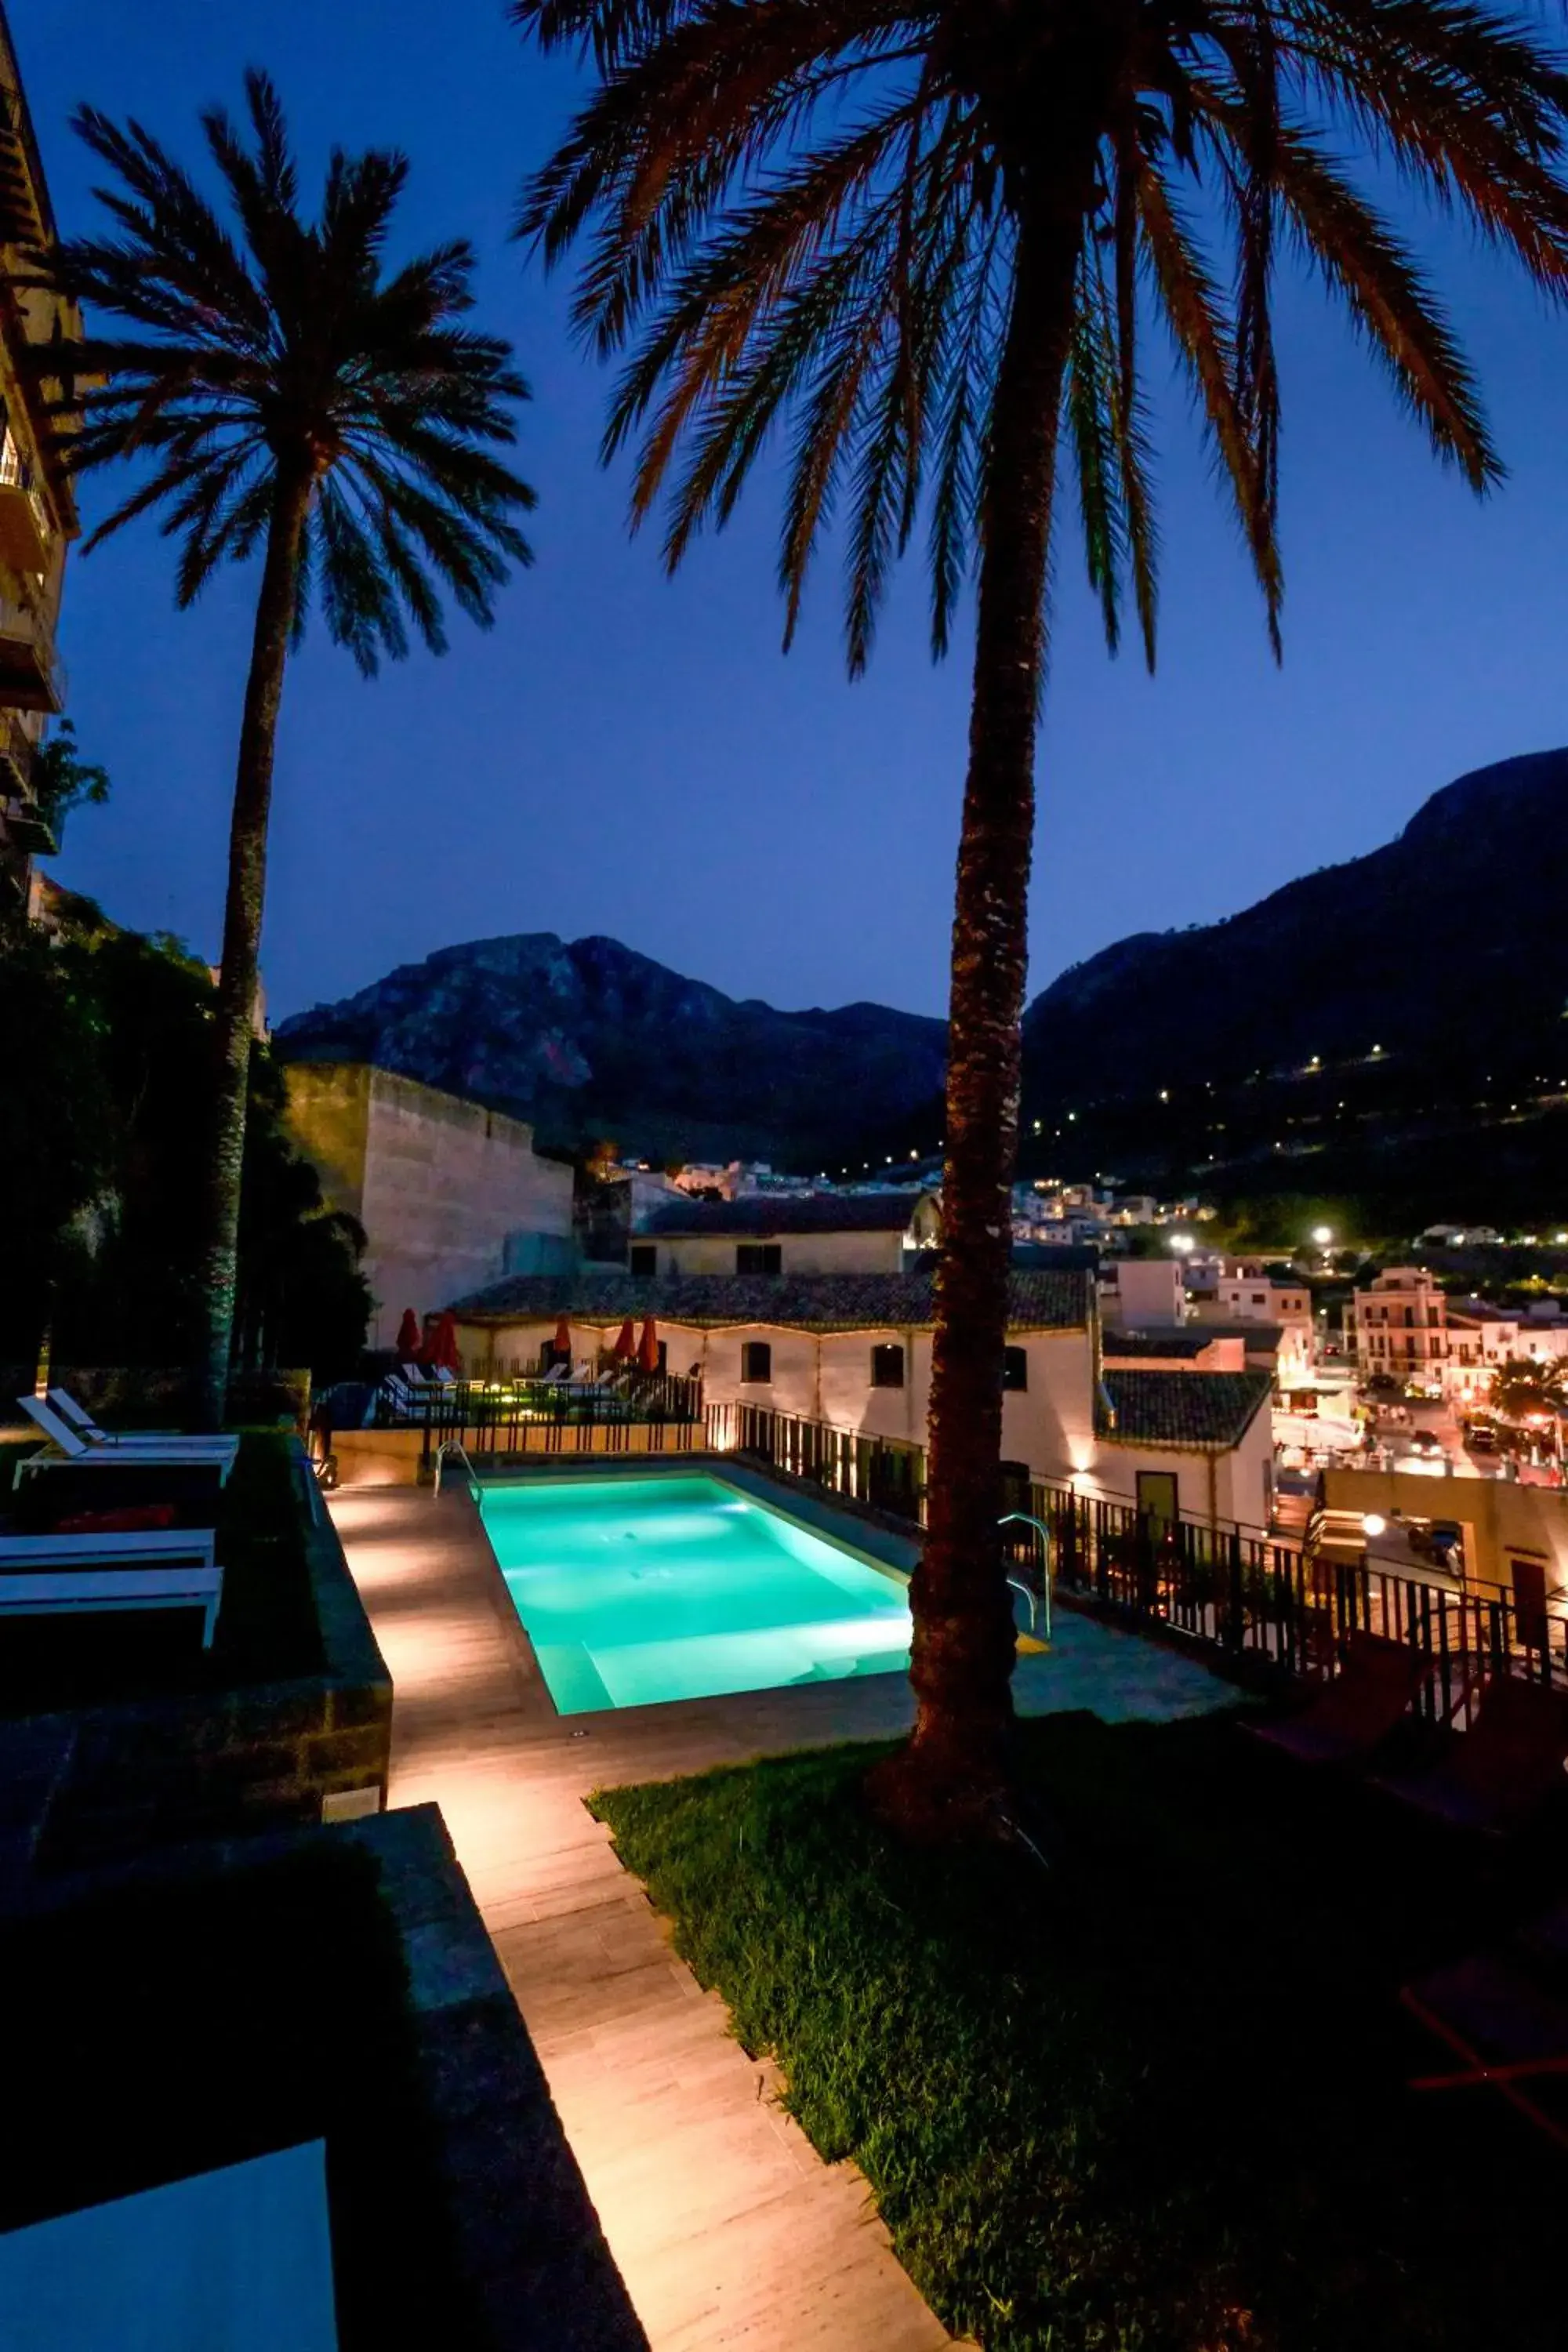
(138, 1454)
(87, 1590)
(116, 1547)
(136, 1441)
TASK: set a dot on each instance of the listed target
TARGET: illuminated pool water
(637, 1590)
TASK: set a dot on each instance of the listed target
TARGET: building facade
(37, 512)
(759, 1235)
(855, 1350)
(450, 1196)
(1399, 1326)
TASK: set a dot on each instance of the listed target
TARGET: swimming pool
(638, 1590)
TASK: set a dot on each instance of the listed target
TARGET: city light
(1322, 1236)
(1182, 1243)
(1373, 1524)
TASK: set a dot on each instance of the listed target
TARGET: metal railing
(884, 1472)
(645, 1412)
(1267, 1602)
(17, 473)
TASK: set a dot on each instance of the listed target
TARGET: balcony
(24, 517)
(23, 207)
(18, 750)
(28, 829)
(30, 676)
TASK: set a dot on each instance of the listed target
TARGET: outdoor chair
(136, 1441)
(1354, 1714)
(1501, 1769)
(1503, 2015)
(80, 1452)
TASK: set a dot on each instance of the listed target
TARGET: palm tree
(928, 241)
(293, 397)
(1525, 1385)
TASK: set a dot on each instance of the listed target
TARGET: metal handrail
(1027, 1519)
(453, 1445)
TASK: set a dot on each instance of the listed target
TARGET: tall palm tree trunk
(954, 1772)
(242, 932)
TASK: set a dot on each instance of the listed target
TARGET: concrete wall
(1498, 1516)
(444, 1189)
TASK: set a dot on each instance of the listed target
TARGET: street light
(1182, 1243)
(1322, 1236)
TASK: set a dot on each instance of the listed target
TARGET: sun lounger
(1507, 2024)
(113, 1548)
(125, 1453)
(134, 1441)
(37, 1594)
(1505, 1765)
(1353, 1714)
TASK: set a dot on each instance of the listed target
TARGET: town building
(37, 512)
(1255, 1296)
(450, 1196)
(764, 1235)
(1399, 1326)
(853, 1349)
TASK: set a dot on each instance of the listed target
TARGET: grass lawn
(1155, 2097)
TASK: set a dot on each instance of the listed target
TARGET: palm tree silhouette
(294, 397)
(926, 245)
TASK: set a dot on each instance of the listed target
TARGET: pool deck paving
(728, 2228)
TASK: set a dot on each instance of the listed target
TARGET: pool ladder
(452, 1449)
(1025, 1519)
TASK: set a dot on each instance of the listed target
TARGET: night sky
(626, 755)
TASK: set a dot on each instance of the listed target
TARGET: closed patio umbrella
(408, 1336)
(626, 1341)
(443, 1348)
(564, 1341)
(647, 1348)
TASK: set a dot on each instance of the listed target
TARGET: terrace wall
(110, 1780)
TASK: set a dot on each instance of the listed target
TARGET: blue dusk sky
(629, 755)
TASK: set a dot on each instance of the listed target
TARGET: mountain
(1454, 933)
(1238, 1056)
(1393, 1026)
(587, 1038)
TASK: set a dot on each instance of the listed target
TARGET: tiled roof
(1257, 1336)
(812, 1302)
(765, 1215)
(1212, 1410)
(1183, 1344)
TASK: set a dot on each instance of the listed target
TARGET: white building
(761, 1235)
(1399, 1326)
(852, 1349)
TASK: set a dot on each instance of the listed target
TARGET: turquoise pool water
(637, 1590)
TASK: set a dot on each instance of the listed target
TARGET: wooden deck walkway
(728, 2228)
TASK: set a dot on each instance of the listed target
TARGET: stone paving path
(728, 2228)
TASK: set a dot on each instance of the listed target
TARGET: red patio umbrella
(409, 1339)
(442, 1350)
(647, 1348)
(627, 1341)
(564, 1339)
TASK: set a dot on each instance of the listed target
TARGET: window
(757, 1362)
(888, 1366)
(643, 1257)
(759, 1257)
(1014, 1368)
(1259, 1298)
